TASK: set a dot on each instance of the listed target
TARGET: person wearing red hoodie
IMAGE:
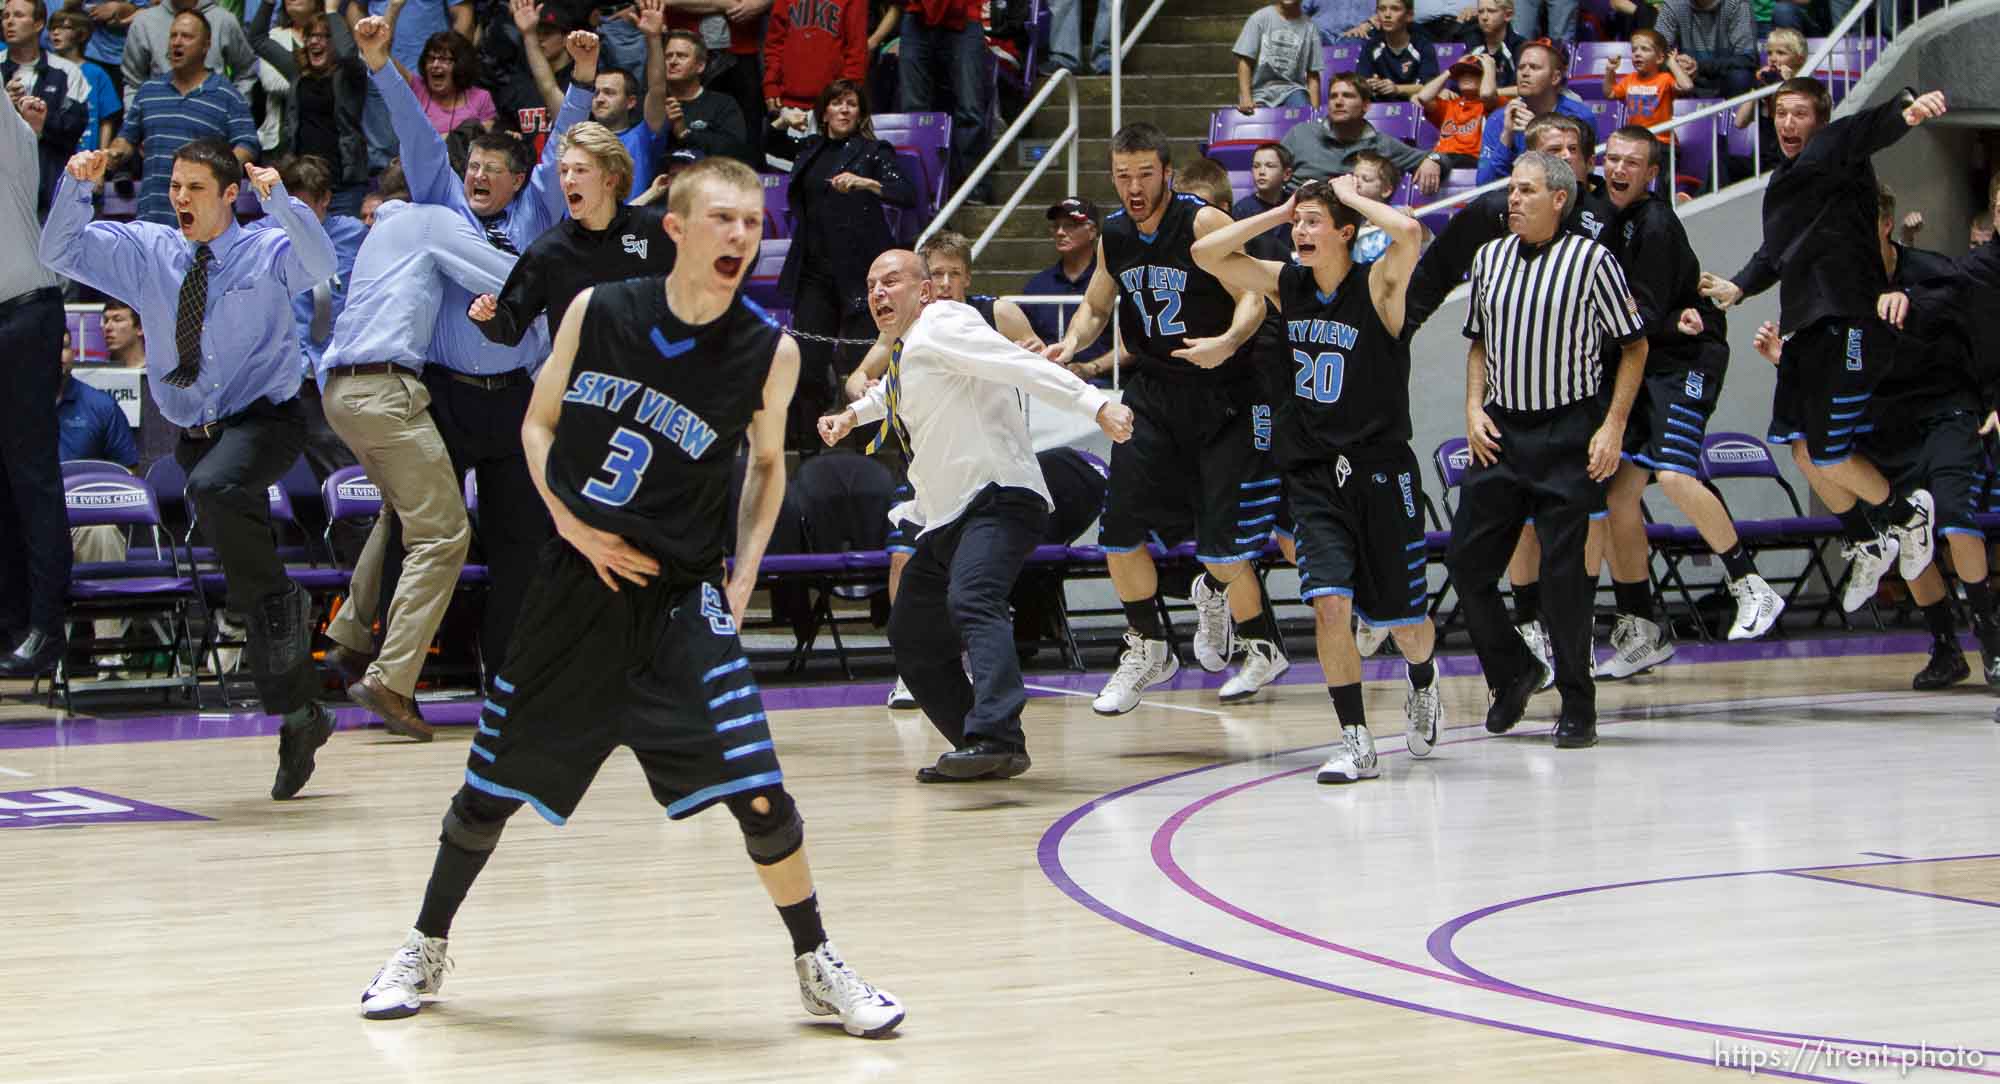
(810, 43)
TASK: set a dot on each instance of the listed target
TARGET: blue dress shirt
(347, 233)
(458, 345)
(249, 345)
(397, 291)
(90, 425)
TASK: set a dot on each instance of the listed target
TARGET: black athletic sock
(1938, 618)
(1980, 598)
(1422, 674)
(1891, 513)
(1635, 599)
(451, 877)
(802, 921)
(1262, 627)
(1736, 562)
(1144, 618)
(1347, 704)
(1527, 602)
(1855, 526)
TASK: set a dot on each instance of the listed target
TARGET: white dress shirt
(958, 379)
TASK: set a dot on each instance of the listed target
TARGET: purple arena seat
(1448, 52)
(1605, 117)
(777, 205)
(761, 285)
(1694, 157)
(1233, 138)
(1343, 55)
(926, 139)
(1586, 66)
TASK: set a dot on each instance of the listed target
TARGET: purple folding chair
(1452, 458)
(91, 466)
(130, 589)
(1233, 138)
(1727, 456)
(1586, 66)
(348, 495)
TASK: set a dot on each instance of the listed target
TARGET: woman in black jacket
(315, 52)
(840, 181)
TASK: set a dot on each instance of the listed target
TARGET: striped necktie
(188, 317)
(497, 234)
(893, 422)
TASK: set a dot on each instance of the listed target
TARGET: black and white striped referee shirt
(1545, 313)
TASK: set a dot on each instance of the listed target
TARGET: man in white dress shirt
(951, 399)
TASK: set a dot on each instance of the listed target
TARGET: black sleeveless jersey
(1350, 377)
(655, 413)
(983, 305)
(1163, 298)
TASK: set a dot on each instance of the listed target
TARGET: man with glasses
(1073, 228)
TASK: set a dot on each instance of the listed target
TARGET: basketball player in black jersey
(1198, 462)
(1343, 442)
(630, 628)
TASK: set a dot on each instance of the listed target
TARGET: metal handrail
(1812, 64)
(1121, 44)
(1000, 147)
(1063, 144)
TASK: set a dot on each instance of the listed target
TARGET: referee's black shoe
(1575, 731)
(1510, 703)
(983, 759)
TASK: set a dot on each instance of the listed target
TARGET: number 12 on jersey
(1320, 375)
(1169, 321)
(626, 463)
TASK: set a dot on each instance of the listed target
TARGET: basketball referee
(1543, 302)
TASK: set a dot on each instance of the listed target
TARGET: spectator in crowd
(538, 75)
(69, 36)
(1541, 70)
(91, 425)
(412, 22)
(1720, 35)
(30, 71)
(389, 184)
(709, 122)
(1338, 19)
(1278, 59)
(737, 72)
(322, 115)
(124, 336)
(1208, 179)
(1270, 177)
(1396, 61)
(1461, 116)
(944, 43)
(110, 20)
(1491, 33)
(148, 44)
(170, 111)
(1648, 90)
(1794, 15)
(1378, 179)
(1628, 16)
(1787, 51)
(1551, 20)
(1066, 36)
(1073, 228)
(672, 164)
(444, 82)
(1327, 149)
(810, 43)
(842, 179)
(616, 104)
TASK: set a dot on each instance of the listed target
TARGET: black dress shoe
(1947, 667)
(1510, 703)
(296, 746)
(1575, 731)
(35, 655)
(983, 759)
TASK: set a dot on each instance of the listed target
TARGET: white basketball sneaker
(1214, 630)
(1914, 536)
(1757, 607)
(828, 987)
(1867, 563)
(1354, 760)
(900, 698)
(1369, 638)
(1537, 639)
(1144, 664)
(1263, 662)
(1636, 646)
(1423, 710)
(415, 970)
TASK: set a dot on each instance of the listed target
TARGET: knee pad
(769, 837)
(475, 820)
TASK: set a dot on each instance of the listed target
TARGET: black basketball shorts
(1826, 376)
(1198, 466)
(1670, 418)
(1941, 453)
(1361, 533)
(655, 668)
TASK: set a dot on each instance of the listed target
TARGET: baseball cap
(683, 156)
(1465, 65)
(553, 18)
(1075, 209)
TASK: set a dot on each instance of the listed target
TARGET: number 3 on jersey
(1319, 377)
(1169, 322)
(626, 463)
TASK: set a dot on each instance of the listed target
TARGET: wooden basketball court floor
(1778, 856)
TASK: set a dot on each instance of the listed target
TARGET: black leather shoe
(36, 655)
(1510, 703)
(1575, 732)
(983, 759)
(296, 746)
(1946, 668)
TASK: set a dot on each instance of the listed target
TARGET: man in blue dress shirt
(227, 373)
(376, 400)
(480, 389)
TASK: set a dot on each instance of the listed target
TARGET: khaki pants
(100, 544)
(385, 418)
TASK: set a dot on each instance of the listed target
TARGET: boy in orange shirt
(1460, 115)
(1648, 91)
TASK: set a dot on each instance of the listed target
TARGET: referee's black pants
(34, 527)
(1543, 472)
(229, 476)
(954, 595)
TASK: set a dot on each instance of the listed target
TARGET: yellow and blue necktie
(893, 422)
